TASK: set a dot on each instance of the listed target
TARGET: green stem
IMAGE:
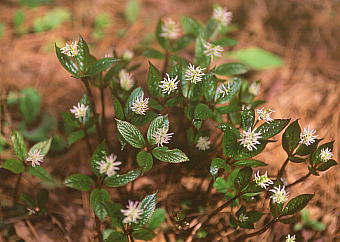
(260, 231)
(300, 180)
(16, 189)
(102, 99)
(282, 169)
(87, 140)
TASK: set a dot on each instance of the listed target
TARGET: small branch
(87, 140)
(300, 180)
(102, 99)
(260, 231)
(166, 62)
(89, 93)
(16, 189)
(282, 169)
(98, 228)
(208, 217)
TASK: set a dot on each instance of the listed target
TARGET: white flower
(326, 154)
(79, 111)
(169, 84)
(264, 114)
(35, 157)
(170, 29)
(193, 74)
(162, 136)
(128, 55)
(254, 88)
(70, 49)
(242, 218)
(203, 143)
(212, 50)
(125, 80)
(307, 136)
(290, 238)
(140, 105)
(262, 180)
(279, 194)
(222, 16)
(109, 166)
(224, 90)
(132, 213)
(249, 139)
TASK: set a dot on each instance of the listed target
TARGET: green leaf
(290, 220)
(137, 93)
(271, 129)
(326, 165)
(154, 81)
(121, 180)
(117, 237)
(140, 120)
(313, 171)
(19, 145)
(113, 211)
(144, 160)
(216, 164)
(221, 185)
(253, 216)
(243, 178)
(225, 42)
(202, 111)
(257, 58)
(75, 136)
(182, 42)
(234, 88)
(43, 146)
(191, 26)
(79, 182)
(157, 218)
(70, 119)
(82, 57)
(153, 53)
(228, 109)
(201, 58)
(303, 149)
(119, 112)
(249, 163)
(143, 234)
(172, 156)
(13, 165)
(66, 62)
(155, 105)
(231, 69)
(148, 204)
(28, 200)
(275, 208)
(291, 137)
(160, 39)
(296, 204)
(157, 123)
(244, 153)
(131, 134)
(101, 65)
(247, 119)
(229, 142)
(97, 199)
(29, 104)
(132, 11)
(296, 159)
(315, 158)
(41, 173)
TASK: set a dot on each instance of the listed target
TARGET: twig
(166, 62)
(87, 140)
(208, 217)
(283, 167)
(98, 228)
(16, 189)
(89, 93)
(102, 99)
(301, 179)
(260, 231)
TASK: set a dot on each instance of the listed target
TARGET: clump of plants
(196, 116)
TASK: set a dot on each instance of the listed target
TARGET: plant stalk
(282, 169)
(16, 189)
(301, 179)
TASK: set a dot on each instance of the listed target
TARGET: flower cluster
(170, 29)
(264, 114)
(307, 137)
(242, 218)
(203, 143)
(326, 154)
(223, 89)
(80, 111)
(169, 84)
(249, 139)
(194, 74)
(132, 213)
(109, 166)
(125, 80)
(279, 194)
(222, 16)
(263, 180)
(162, 136)
(140, 105)
(290, 238)
(70, 49)
(212, 50)
(35, 157)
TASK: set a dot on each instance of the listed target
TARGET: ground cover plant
(191, 115)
